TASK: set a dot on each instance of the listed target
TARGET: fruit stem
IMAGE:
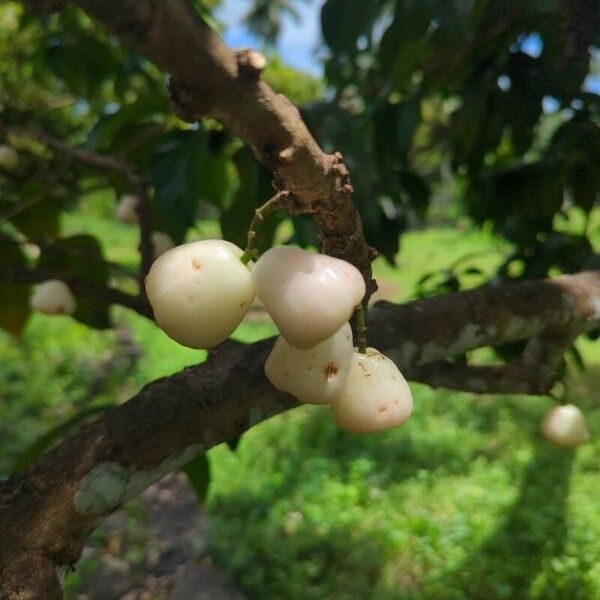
(361, 329)
(260, 213)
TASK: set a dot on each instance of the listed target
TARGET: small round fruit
(161, 242)
(316, 375)
(126, 211)
(200, 292)
(309, 296)
(9, 158)
(53, 297)
(376, 395)
(565, 425)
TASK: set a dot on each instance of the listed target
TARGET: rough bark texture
(47, 513)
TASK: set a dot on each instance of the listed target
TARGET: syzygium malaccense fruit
(376, 396)
(200, 292)
(315, 375)
(308, 295)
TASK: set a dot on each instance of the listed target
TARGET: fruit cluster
(201, 291)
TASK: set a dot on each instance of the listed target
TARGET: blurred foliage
(438, 100)
(265, 16)
(64, 76)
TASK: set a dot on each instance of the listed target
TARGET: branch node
(250, 63)
(287, 154)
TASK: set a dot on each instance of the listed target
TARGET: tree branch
(512, 378)
(47, 513)
(209, 79)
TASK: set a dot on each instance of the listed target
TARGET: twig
(361, 329)
(259, 215)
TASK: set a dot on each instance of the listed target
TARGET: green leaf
(80, 256)
(37, 215)
(344, 21)
(105, 133)
(215, 177)
(254, 190)
(233, 443)
(46, 441)
(404, 44)
(175, 170)
(417, 189)
(14, 299)
(198, 473)
(84, 62)
(577, 358)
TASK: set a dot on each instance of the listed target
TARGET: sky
(299, 41)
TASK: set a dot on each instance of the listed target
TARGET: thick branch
(429, 330)
(81, 287)
(209, 79)
(47, 513)
(512, 378)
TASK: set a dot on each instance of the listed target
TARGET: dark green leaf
(344, 21)
(233, 443)
(254, 190)
(175, 170)
(14, 299)
(198, 473)
(38, 216)
(577, 358)
(80, 256)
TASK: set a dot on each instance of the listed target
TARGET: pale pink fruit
(565, 425)
(9, 158)
(309, 296)
(316, 375)
(376, 395)
(200, 292)
(126, 211)
(53, 297)
(161, 242)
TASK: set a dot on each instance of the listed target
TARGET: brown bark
(47, 513)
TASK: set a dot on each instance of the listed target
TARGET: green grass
(466, 501)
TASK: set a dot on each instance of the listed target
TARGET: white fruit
(316, 375)
(309, 296)
(376, 395)
(565, 425)
(126, 211)
(200, 292)
(161, 242)
(9, 158)
(53, 297)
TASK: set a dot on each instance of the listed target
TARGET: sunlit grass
(466, 501)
